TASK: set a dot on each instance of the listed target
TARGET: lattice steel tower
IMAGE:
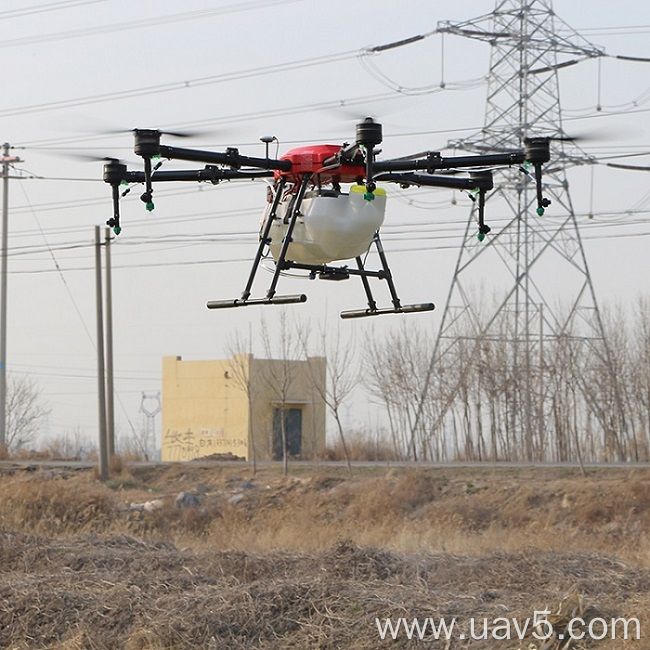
(526, 256)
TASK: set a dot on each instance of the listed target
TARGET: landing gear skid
(402, 309)
(384, 274)
(323, 271)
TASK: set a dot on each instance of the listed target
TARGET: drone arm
(114, 221)
(209, 174)
(434, 161)
(347, 155)
(536, 151)
(147, 145)
(147, 196)
(483, 228)
(481, 181)
(542, 202)
(231, 157)
(116, 174)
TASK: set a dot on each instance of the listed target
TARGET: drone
(324, 207)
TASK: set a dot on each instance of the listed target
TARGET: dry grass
(310, 561)
(361, 445)
(122, 592)
(59, 505)
(460, 511)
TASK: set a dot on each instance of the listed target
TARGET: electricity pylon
(150, 406)
(528, 256)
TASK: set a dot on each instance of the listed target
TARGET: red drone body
(311, 160)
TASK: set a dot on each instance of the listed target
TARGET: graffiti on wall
(187, 445)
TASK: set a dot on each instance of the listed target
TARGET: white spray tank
(331, 225)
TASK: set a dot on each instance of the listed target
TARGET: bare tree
(583, 400)
(25, 412)
(240, 352)
(69, 445)
(394, 371)
(639, 375)
(279, 375)
(341, 379)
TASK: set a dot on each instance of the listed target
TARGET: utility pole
(7, 161)
(110, 383)
(101, 371)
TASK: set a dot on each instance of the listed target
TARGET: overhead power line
(240, 117)
(45, 8)
(155, 21)
(177, 85)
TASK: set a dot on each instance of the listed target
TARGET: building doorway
(293, 431)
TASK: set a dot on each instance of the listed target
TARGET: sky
(79, 74)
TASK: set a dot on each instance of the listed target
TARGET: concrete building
(237, 406)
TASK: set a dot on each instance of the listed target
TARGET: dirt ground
(182, 556)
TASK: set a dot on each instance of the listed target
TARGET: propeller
(84, 157)
(578, 138)
(638, 168)
(358, 109)
(504, 148)
(91, 158)
(173, 134)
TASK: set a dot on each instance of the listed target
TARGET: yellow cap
(379, 191)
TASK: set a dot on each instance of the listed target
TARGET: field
(317, 559)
